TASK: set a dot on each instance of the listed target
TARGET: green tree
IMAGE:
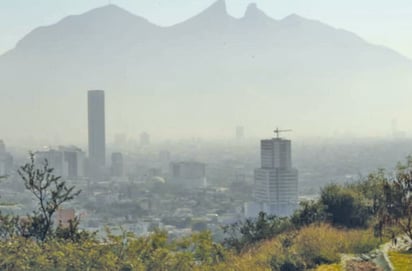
(309, 212)
(72, 232)
(9, 226)
(344, 206)
(8, 223)
(242, 234)
(50, 192)
(396, 209)
(204, 250)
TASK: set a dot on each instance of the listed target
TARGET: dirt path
(379, 256)
(384, 261)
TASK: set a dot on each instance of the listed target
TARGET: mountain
(200, 77)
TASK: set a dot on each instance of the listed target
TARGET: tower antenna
(277, 132)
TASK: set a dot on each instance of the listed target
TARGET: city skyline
(157, 135)
(233, 62)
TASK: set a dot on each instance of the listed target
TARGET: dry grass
(401, 261)
(324, 243)
(329, 267)
(318, 241)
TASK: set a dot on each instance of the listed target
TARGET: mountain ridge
(218, 6)
(254, 60)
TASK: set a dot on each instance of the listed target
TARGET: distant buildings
(117, 167)
(67, 162)
(120, 141)
(144, 139)
(63, 217)
(190, 174)
(2, 147)
(74, 159)
(97, 132)
(240, 133)
(276, 181)
(6, 160)
(164, 161)
(54, 159)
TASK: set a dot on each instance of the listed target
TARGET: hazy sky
(385, 22)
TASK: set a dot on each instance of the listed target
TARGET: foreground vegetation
(401, 260)
(347, 219)
(311, 245)
(303, 249)
(329, 267)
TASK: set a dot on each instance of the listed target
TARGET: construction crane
(277, 132)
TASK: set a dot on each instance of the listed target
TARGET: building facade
(67, 162)
(97, 132)
(276, 181)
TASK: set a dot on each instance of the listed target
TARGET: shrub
(345, 207)
(362, 241)
(241, 235)
(308, 213)
(289, 263)
(324, 244)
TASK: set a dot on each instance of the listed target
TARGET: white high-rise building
(67, 162)
(276, 181)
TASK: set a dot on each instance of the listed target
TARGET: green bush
(345, 207)
(287, 264)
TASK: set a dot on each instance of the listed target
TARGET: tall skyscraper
(97, 131)
(276, 181)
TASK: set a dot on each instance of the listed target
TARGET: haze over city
(206, 135)
(242, 64)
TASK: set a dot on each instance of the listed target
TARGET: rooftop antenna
(277, 132)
